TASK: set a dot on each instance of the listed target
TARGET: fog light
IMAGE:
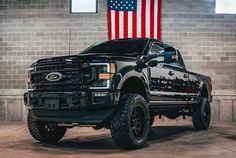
(100, 94)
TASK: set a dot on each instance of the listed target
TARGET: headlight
(105, 73)
(29, 80)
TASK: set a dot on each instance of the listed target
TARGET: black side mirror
(152, 63)
(142, 63)
(152, 56)
(170, 57)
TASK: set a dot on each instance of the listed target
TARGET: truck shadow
(166, 133)
(103, 144)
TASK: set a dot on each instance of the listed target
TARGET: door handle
(171, 73)
(185, 75)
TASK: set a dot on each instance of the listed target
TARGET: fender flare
(133, 74)
(201, 89)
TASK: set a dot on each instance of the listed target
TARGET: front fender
(204, 84)
(128, 72)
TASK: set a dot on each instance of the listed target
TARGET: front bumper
(92, 107)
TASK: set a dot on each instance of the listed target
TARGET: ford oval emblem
(54, 76)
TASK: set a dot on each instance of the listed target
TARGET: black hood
(106, 57)
(90, 58)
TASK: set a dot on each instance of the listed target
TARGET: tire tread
(119, 125)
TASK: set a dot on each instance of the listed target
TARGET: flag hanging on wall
(134, 19)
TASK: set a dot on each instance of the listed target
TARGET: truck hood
(90, 58)
(108, 57)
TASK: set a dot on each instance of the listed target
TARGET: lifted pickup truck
(120, 85)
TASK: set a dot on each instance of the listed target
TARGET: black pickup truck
(120, 85)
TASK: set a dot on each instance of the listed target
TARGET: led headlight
(105, 72)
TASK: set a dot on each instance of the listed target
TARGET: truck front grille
(75, 74)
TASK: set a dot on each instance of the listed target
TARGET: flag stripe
(139, 18)
(113, 19)
(130, 24)
(155, 18)
(143, 19)
(126, 25)
(147, 18)
(121, 26)
(159, 20)
(117, 25)
(134, 16)
(152, 19)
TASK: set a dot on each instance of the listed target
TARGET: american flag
(134, 18)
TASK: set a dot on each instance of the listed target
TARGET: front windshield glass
(129, 48)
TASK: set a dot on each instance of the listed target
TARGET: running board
(161, 103)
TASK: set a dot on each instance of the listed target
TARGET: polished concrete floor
(165, 140)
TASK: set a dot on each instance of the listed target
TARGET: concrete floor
(164, 141)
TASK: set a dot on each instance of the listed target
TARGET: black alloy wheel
(131, 122)
(137, 122)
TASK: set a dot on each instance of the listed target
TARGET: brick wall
(33, 29)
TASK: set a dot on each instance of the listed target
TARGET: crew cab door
(161, 80)
(180, 82)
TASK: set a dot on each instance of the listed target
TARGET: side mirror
(152, 63)
(170, 57)
(152, 56)
(142, 63)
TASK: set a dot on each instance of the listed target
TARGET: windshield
(130, 48)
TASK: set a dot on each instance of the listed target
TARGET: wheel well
(204, 92)
(134, 85)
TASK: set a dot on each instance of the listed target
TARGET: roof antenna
(69, 39)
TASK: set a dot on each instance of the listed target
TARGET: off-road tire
(49, 135)
(202, 115)
(123, 123)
